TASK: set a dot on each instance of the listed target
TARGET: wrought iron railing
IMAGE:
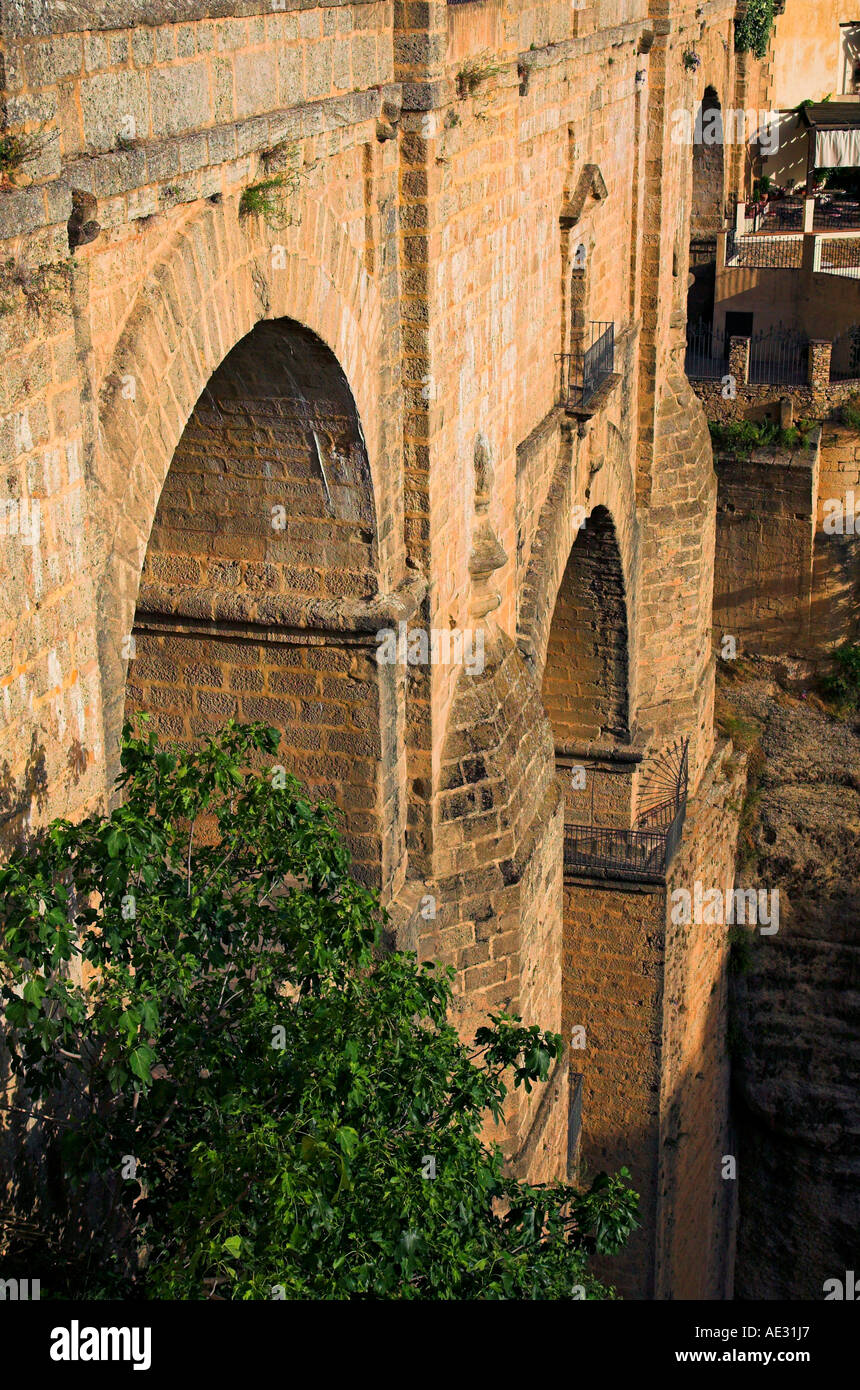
(829, 217)
(779, 357)
(599, 851)
(845, 355)
(644, 853)
(782, 216)
(764, 253)
(583, 372)
(789, 215)
(707, 352)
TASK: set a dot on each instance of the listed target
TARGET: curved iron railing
(644, 853)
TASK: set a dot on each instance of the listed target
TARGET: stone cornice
(41, 18)
(275, 617)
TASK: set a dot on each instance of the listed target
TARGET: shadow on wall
(19, 798)
(31, 1171)
(685, 1247)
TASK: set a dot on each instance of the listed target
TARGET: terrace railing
(829, 213)
(764, 253)
(644, 853)
(783, 216)
(835, 257)
(829, 217)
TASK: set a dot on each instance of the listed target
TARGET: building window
(850, 59)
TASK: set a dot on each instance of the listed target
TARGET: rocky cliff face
(795, 1029)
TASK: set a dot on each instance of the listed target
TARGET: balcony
(812, 236)
(642, 854)
(586, 375)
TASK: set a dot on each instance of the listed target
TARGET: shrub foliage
(261, 1092)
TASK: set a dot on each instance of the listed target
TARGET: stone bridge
(285, 291)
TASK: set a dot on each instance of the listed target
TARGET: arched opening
(585, 679)
(261, 558)
(708, 206)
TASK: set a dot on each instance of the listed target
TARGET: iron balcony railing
(583, 372)
(644, 853)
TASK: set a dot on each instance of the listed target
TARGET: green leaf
(348, 1140)
(34, 990)
(141, 1061)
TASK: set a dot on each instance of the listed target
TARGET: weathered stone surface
(795, 1058)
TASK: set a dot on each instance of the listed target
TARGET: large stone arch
(216, 282)
(216, 278)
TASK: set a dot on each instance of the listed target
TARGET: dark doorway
(738, 325)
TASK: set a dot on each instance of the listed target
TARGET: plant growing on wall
(42, 290)
(270, 199)
(849, 411)
(753, 28)
(267, 1103)
(692, 61)
(740, 437)
(474, 72)
(16, 150)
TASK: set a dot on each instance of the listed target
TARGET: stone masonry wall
(652, 998)
(613, 988)
(697, 1204)
(765, 534)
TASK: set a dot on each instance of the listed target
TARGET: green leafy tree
(263, 1094)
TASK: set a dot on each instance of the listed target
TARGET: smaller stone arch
(562, 517)
(585, 683)
(707, 209)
